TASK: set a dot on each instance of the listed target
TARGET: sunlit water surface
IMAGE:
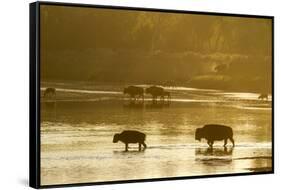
(77, 130)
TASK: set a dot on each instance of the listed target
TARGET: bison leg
(232, 140)
(225, 142)
(144, 145)
(210, 143)
(126, 147)
(139, 146)
(162, 98)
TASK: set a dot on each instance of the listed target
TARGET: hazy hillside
(179, 49)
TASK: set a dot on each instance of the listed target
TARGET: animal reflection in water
(214, 151)
(50, 106)
(130, 136)
(156, 92)
(134, 105)
(142, 105)
(214, 156)
(136, 93)
(263, 96)
(215, 132)
(156, 105)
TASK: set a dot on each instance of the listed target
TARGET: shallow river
(77, 133)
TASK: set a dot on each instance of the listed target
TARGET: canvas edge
(150, 9)
(34, 95)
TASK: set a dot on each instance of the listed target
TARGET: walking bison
(215, 132)
(130, 136)
(263, 96)
(134, 92)
(50, 92)
(157, 91)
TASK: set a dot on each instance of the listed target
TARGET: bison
(215, 132)
(50, 92)
(134, 92)
(263, 96)
(156, 91)
(130, 136)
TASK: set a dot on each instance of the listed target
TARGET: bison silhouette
(134, 92)
(215, 132)
(263, 96)
(157, 91)
(130, 136)
(50, 92)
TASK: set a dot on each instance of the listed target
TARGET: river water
(77, 128)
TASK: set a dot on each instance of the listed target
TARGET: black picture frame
(34, 93)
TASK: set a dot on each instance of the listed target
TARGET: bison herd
(137, 93)
(210, 132)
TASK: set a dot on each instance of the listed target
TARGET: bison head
(198, 134)
(116, 138)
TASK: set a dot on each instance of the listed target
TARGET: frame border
(34, 93)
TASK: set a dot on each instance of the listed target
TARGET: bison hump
(216, 126)
(132, 132)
